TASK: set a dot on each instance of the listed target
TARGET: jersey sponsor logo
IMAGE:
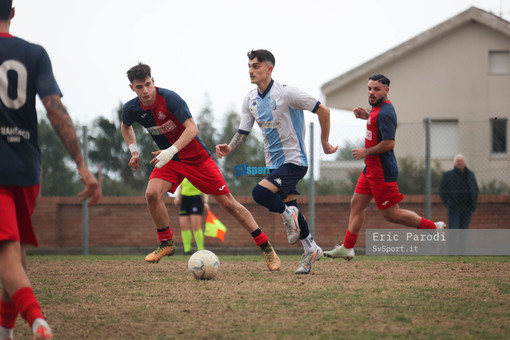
(161, 115)
(144, 115)
(162, 129)
(14, 134)
(222, 187)
(274, 124)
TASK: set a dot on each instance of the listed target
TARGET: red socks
(350, 239)
(426, 224)
(165, 234)
(259, 237)
(8, 314)
(26, 303)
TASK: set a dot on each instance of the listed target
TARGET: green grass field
(371, 297)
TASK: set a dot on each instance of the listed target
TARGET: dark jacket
(459, 189)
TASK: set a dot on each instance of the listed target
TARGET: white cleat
(340, 252)
(292, 226)
(308, 260)
(441, 225)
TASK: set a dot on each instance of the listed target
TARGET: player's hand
(328, 148)
(177, 201)
(92, 190)
(134, 162)
(164, 156)
(360, 113)
(359, 153)
(222, 150)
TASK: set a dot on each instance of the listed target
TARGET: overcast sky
(199, 47)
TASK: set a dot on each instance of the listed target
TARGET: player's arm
(178, 196)
(223, 150)
(189, 133)
(323, 113)
(130, 138)
(382, 147)
(64, 128)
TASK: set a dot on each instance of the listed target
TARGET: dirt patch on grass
(364, 298)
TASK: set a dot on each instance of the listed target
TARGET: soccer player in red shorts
(378, 180)
(182, 154)
(25, 71)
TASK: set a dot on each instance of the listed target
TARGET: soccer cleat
(308, 260)
(441, 225)
(340, 252)
(272, 260)
(41, 330)
(292, 226)
(166, 248)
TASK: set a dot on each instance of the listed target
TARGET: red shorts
(385, 193)
(205, 176)
(16, 207)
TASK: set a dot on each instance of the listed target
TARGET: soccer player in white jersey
(278, 110)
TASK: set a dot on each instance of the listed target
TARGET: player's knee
(151, 196)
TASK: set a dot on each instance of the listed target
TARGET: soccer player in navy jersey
(182, 154)
(378, 180)
(25, 71)
(278, 110)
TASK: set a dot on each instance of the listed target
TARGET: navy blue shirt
(25, 71)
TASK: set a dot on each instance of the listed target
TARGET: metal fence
(424, 152)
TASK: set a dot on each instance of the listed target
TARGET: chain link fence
(424, 152)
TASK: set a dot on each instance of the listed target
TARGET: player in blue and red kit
(25, 71)
(378, 180)
(182, 154)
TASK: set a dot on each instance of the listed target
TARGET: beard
(377, 103)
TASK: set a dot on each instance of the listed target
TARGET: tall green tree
(58, 178)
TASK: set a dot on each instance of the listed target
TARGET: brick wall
(125, 221)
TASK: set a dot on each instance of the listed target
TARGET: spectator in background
(459, 191)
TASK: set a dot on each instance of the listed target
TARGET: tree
(57, 177)
(207, 133)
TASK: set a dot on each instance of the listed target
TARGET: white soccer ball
(204, 265)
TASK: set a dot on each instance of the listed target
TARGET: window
(499, 62)
(498, 135)
(444, 136)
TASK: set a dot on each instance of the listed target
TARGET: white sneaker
(340, 252)
(308, 260)
(441, 225)
(292, 226)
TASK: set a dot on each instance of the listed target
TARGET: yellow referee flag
(214, 227)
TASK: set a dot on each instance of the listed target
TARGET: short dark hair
(262, 56)
(5, 9)
(138, 72)
(380, 78)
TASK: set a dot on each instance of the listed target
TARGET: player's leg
(274, 189)
(186, 234)
(245, 218)
(359, 202)
(198, 233)
(17, 295)
(16, 285)
(156, 189)
(409, 218)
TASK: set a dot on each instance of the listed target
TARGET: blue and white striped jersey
(279, 113)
